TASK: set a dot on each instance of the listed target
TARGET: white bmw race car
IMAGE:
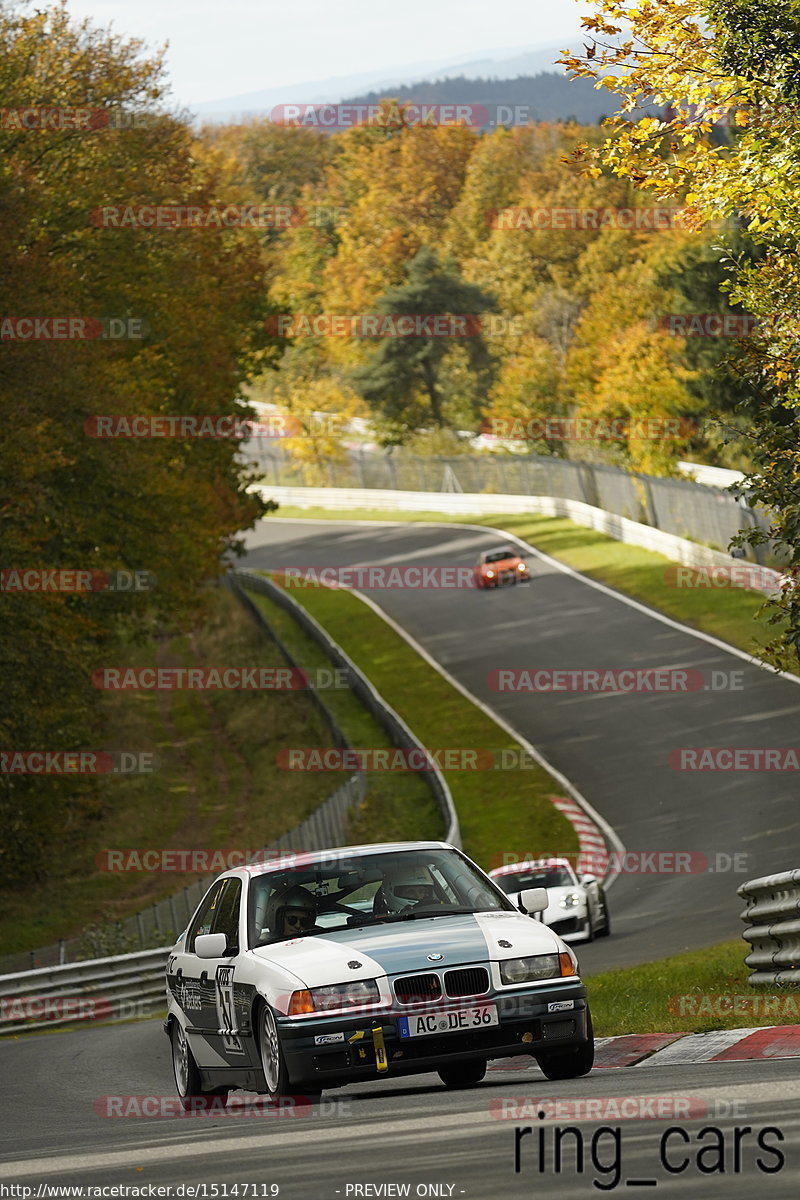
(577, 909)
(368, 962)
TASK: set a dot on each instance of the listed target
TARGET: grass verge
(398, 807)
(726, 613)
(694, 992)
(217, 783)
(501, 812)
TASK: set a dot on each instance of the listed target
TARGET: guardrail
(772, 917)
(708, 515)
(622, 529)
(391, 721)
(127, 985)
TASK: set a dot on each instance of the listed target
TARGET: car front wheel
(273, 1063)
(570, 1063)
(463, 1074)
(605, 929)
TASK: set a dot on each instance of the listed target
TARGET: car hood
(404, 946)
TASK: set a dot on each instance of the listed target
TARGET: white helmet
(404, 887)
(291, 910)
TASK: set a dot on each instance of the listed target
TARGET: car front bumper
(371, 1047)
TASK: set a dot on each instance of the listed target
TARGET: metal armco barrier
(128, 985)
(707, 515)
(394, 725)
(772, 918)
(467, 504)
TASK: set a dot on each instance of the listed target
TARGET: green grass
(726, 613)
(501, 812)
(398, 807)
(679, 994)
(217, 785)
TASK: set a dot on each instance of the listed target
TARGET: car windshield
(345, 891)
(499, 555)
(544, 877)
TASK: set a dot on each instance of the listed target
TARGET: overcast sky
(235, 46)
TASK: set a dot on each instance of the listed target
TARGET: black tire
(184, 1068)
(273, 1063)
(606, 930)
(570, 1064)
(462, 1074)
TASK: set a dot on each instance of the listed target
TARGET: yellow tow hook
(380, 1049)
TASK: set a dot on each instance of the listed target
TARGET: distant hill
(507, 63)
(544, 97)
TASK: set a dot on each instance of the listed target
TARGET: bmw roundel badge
(435, 957)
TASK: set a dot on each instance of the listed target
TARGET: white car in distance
(577, 909)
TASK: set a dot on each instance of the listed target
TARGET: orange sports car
(497, 567)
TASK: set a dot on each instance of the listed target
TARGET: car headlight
(570, 900)
(490, 574)
(526, 970)
(345, 995)
(521, 567)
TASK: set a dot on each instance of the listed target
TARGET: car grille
(557, 1029)
(567, 925)
(471, 981)
(414, 989)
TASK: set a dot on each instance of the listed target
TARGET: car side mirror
(587, 879)
(533, 900)
(210, 945)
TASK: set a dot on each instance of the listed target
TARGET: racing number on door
(226, 1011)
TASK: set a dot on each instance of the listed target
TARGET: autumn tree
(170, 507)
(730, 60)
(404, 379)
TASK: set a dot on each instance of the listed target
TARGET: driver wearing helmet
(405, 888)
(291, 910)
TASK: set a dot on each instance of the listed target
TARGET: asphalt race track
(410, 1132)
(613, 747)
(381, 1138)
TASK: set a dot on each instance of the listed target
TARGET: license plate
(454, 1020)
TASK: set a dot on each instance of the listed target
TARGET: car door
(203, 987)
